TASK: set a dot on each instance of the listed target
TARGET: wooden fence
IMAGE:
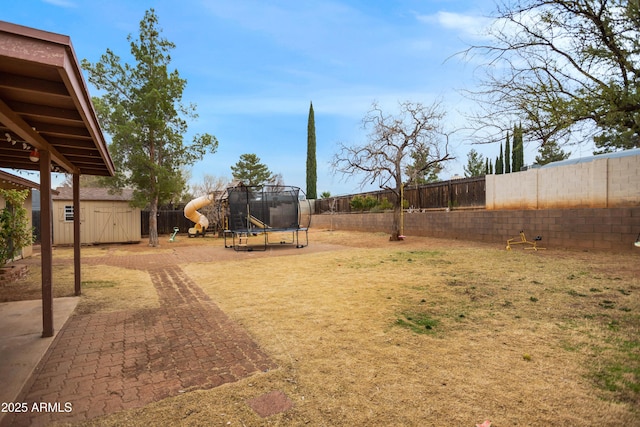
(173, 216)
(457, 193)
(167, 219)
(35, 223)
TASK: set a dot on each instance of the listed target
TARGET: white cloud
(468, 25)
(60, 3)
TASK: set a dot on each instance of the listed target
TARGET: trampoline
(259, 216)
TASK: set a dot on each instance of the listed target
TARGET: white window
(68, 213)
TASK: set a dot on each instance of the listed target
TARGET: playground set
(255, 217)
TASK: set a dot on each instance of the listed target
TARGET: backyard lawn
(421, 332)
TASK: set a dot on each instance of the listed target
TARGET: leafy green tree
(418, 171)
(250, 171)
(363, 203)
(325, 194)
(551, 152)
(86, 181)
(141, 110)
(565, 66)
(370, 203)
(15, 233)
(475, 164)
(312, 174)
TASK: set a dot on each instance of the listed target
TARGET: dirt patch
(270, 404)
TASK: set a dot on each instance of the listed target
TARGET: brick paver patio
(102, 363)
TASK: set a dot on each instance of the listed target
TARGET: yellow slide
(255, 221)
(191, 212)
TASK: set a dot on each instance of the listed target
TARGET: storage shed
(104, 217)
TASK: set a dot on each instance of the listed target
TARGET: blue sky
(252, 68)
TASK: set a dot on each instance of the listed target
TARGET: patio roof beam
(21, 128)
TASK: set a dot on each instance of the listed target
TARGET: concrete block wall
(611, 229)
(623, 186)
(512, 191)
(600, 183)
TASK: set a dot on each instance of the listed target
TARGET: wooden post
(402, 209)
(76, 234)
(46, 243)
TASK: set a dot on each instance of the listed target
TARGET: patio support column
(46, 243)
(76, 234)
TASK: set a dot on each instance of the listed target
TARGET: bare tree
(210, 185)
(392, 140)
(564, 67)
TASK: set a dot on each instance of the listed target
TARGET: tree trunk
(153, 222)
(395, 225)
(397, 205)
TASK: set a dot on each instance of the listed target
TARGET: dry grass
(106, 291)
(510, 333)
(421, 332)
(103, 288)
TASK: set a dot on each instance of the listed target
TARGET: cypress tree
(521, 148)
(507, 156)
(518, 148)
(312, 176)
(500, 163)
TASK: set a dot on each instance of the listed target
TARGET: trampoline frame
(239, 235)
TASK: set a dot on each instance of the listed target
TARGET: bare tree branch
(392, 139)
(560, 67)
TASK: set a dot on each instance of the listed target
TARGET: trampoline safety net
(267, 209)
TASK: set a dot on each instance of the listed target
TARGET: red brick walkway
(103, 363)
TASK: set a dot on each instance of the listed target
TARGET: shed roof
(45, 104)
(95, 194)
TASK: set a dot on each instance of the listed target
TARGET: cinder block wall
(600, 183)
(611, 229)
(518, 190)
(623, 187)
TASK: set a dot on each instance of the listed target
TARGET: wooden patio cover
(45, 106)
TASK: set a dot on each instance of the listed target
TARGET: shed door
(113, 225)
